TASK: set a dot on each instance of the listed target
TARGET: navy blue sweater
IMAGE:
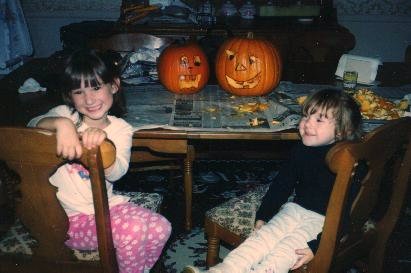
(305, 171)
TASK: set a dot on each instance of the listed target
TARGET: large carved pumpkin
(183, 68)
(248, 66)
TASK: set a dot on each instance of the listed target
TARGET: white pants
(272, 248)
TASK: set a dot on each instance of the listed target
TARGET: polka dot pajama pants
(139, 235)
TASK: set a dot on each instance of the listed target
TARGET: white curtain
(15, 43)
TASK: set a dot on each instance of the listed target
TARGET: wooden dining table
(213, 124)
(151, 108)
(238, 142)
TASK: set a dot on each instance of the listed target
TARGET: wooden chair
(35, 243)
(387, 153)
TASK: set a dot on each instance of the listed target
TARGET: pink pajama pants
(139, 235)
(272, 248)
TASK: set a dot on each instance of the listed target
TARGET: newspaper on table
(211, 109)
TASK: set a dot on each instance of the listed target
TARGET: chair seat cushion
(18, 240)
(146, 200)
(238, 213)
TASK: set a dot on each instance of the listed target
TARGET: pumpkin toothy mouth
(189, 81)
(251, 83)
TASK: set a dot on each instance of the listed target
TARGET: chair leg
(376, 257)
(158, 266)
(213, 250)
(188, 186)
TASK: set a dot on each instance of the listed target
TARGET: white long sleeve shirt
(72, 179)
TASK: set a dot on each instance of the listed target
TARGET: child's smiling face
(318, 128)
(94, 102)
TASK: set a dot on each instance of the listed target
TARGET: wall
(382, 27)
(45, 17)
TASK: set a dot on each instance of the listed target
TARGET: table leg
(188, 185)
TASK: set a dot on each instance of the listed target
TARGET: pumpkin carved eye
(230, 54)
(197, 60)
(184, 61)
(252, 59)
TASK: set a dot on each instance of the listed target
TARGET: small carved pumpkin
(247, 66)
(183, 69)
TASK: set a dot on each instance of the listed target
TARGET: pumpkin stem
(250, 35)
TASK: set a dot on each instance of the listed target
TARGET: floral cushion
(238, 213)
(146, 200)
(18, 240)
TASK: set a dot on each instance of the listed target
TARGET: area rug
(214, 181)
(188, 249)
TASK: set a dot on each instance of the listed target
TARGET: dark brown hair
(344, 108)
(95, 68)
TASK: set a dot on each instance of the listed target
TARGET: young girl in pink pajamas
(91, 93)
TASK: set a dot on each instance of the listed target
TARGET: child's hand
(258, 224)
(305, 255)
(68, 143)
(93, 137)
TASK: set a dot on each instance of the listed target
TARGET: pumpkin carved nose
(240, 67)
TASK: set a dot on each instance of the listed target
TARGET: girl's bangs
(313, 106)
(90, 78)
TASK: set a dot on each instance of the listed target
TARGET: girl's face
(94, 102)
(318, 129)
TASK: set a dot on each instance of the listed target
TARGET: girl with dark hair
(91, 93)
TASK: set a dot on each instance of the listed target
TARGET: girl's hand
(93, 137)
(68, 143)
(305, 255)
(258, 224)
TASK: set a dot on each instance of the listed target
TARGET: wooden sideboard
(310, 51)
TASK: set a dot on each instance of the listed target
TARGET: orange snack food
(376, 107)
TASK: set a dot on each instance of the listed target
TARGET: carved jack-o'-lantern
(183, 69)
(247, 66)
